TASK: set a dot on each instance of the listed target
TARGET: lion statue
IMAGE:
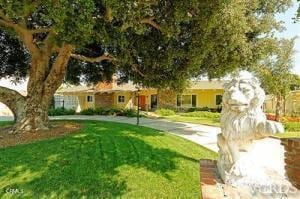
(242, 122)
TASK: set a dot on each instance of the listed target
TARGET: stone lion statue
(242, 122)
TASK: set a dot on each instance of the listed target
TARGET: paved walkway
(200, 134)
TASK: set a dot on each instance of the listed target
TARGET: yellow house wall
(84, 104)
(128, 104)
(205, 98)
(82, 100)
(292, 105)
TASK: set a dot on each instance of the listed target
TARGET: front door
(142, 99)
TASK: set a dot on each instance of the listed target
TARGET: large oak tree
(158, 43)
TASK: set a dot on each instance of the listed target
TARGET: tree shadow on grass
(85, 164)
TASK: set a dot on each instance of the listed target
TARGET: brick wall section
(210, 179)
(292, 159)
(104, 100)
(166, 99)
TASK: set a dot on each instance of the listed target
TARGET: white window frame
(191, 101)
(118, 99)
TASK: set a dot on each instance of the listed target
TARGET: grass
(104, 160)
(5, 123)
(195, 120)
(289, 134)
(196, 117)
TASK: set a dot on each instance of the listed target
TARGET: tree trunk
(33, 115)
(31, 112)
(278, 110)
(284, 106)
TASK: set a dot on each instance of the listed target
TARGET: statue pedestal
(264, 175)
(213, 187)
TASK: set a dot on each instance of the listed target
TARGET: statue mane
(240, 125)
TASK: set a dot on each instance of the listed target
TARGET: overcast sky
(292, 30)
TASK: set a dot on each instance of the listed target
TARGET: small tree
(275, 73)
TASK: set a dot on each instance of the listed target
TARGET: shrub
(292, 126)
(205, 114)
(89, 111)
(219, 109)
(60, 111)
(165, 112)
(130, 113)
(100, 111)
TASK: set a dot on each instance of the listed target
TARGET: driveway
(201, 134)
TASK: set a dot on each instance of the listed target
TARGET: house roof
(74, 89)
(205, 84)
(132, 87)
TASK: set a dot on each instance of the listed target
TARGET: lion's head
(243, 93)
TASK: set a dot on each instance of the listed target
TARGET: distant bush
(165, 112)
(205, 114)
(88, 111)
(292, 126)
(130, 113)
(109, 111)
(214, 110)
(60, 111)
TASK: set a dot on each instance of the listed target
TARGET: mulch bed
(57, 129)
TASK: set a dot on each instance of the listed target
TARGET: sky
(292, 30)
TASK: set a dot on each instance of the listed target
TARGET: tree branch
(135, 68)
(7, 24)
(58, 69)
(103, 57)
(151, 22)
(25, 34)
(40, 30)
(11, 98)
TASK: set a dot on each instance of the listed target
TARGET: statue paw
(274, 127)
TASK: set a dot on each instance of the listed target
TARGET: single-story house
(113, 95)
(291, 106)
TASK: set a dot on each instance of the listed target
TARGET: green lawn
(6, 123)
(194, 120)
(104, 160)
(215, 122)
(213, 119)
(289, 135)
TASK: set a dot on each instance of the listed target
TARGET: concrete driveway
(201, 134)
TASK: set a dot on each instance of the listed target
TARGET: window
(218, 99)
(194, 100)
(179, 100)
(186, 100)
(89, 98)
(121, 99)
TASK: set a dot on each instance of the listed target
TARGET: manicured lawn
(5, 123)
(104, 160)
(289, 135)
(194, 120)
(196, 117)
(292, 129)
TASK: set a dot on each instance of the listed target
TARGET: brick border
(292, 159)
